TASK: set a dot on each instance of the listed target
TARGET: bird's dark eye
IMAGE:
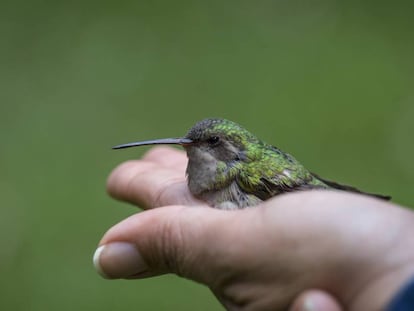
(213, 140)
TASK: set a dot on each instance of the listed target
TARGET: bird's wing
(270, 180)
(273, 172)
(281, 183)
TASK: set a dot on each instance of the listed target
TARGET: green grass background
(329, 81)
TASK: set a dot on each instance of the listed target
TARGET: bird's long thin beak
(163, 141)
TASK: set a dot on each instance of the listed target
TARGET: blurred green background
(329, 81)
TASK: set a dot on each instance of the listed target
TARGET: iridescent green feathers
(258, 168)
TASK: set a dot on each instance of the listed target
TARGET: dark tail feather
(351, 189)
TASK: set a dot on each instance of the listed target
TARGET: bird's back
(276, 172)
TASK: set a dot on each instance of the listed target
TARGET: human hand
(355, 250)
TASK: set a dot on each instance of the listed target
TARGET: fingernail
(309, 305)
(96, 261)
(118, 260)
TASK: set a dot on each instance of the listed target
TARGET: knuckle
(169, 191)
(172, 246)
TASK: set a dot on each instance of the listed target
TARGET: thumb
(170, 239)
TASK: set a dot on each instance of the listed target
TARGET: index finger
(167, 157)
(156, 180)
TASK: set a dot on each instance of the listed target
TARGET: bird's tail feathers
(335, 185)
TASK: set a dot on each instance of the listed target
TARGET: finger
(315, 300)
(169, 239)
(167, 157)
(149, 184)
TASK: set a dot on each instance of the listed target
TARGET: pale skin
(312, 250)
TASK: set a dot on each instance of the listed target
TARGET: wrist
(379, 294)
(397, 269)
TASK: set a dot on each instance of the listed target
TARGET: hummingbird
(230, 168)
